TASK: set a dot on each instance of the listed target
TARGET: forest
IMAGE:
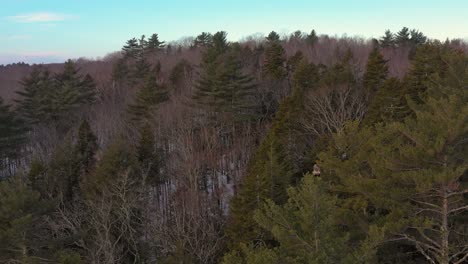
(292, 148)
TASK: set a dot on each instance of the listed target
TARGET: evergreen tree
(142, 45)
(417, 38)
(224, 88)
(219, 45)
(376, 71)
(84, 151)
(402, 37)
(294, 61)
(112, 195)
(203, 40)
(12, 134)
(269, 173)
(312, 38)
(408, 178)
(181, 71)
(120, 71)
(131, 49)
(388, 103)
(46, 99)
(33, 101)
(388, 40)
(275, 58)
(147, 156)
(150, 95)
(141, 71)
(23, 233)
(306, 229)
(273, 37)
(154, 44)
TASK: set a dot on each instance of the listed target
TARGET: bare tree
(328, 110)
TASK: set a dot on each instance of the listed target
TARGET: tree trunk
(444, 258)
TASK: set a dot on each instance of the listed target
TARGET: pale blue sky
(52, 30)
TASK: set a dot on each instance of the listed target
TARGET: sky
(46, 31)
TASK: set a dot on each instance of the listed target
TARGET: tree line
(274, 151)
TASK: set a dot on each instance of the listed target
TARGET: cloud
(33, 57)
(40, 17)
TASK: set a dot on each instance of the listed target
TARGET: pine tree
(408, 178)
(147, 156)
(306, 229)
(388, 103)
(219, 45)
(154, 45)
(34, 101)
(273, 37)
(388, 40)
(141, 71)
(203, 40)
(12, 134)
(112, 195)
(402, 37)
(376, 71)
(417, 38)
(23, 233)
(181, 71)
(131, 49)
(46, 99)
(312, 38)
(269, 173)
(85, 149)
(120, 71)
(150, 95)
(142, 45)
(224, 88)
(275, 58)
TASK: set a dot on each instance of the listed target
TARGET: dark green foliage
(294, 61)
(340, 73)
(376, 72)
(275, 59)
(149, 159)
(85, 149)
(120, 71)
(402, 37)
(269, 173)
(23, 236)
(181, 71)
(112, 194)
(224, 87)
(273, 37)
(388, 103)
(306, 229)
(430, 61)
(131, 49)
(34, 96)
(61, 176)
(400, 176)
(203, 40)
(46, 99)
(388, 40)
(154, 44)
(417, 37)
(150, 95)
(312, 38)
(12, 134)
(142, 69)
(219, 45)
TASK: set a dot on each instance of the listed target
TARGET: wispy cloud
(40, 17)
(32, 57)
